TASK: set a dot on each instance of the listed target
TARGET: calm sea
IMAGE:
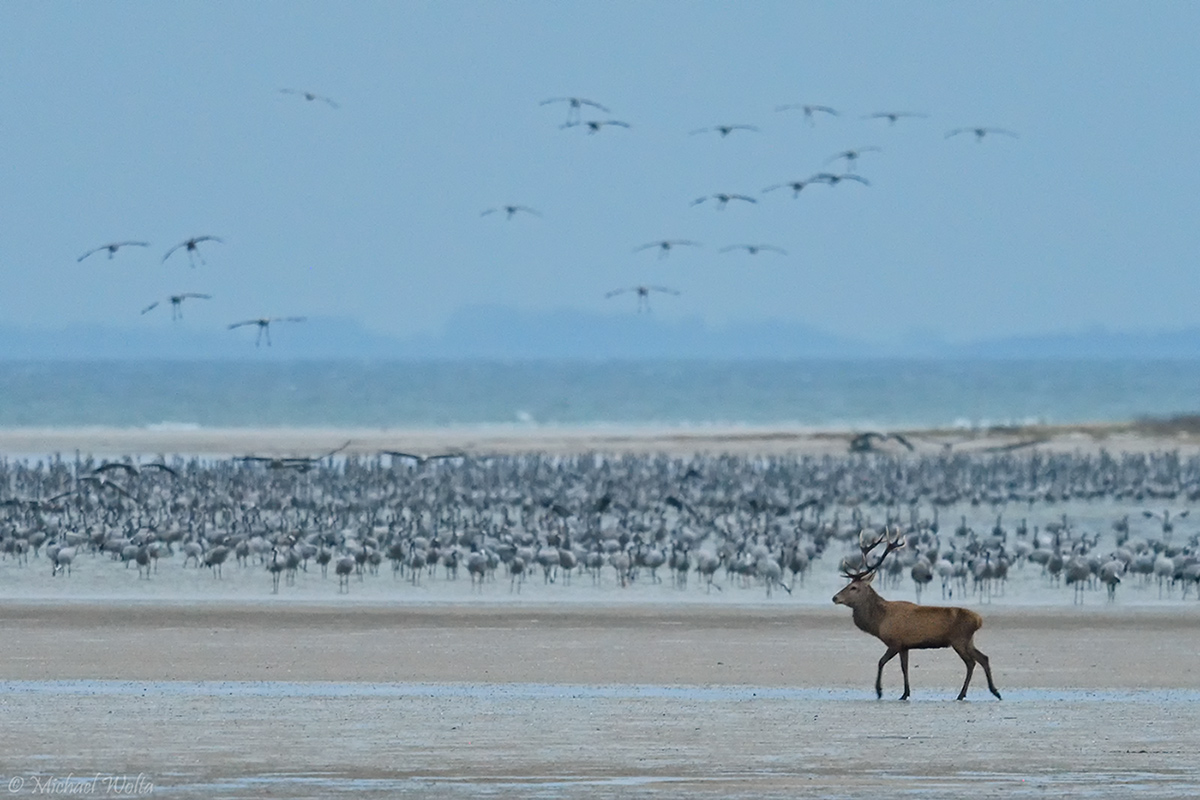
(819, 394)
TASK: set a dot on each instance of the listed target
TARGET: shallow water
(818, 393)
(548, 691)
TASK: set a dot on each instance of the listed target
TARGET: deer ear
(869, 578)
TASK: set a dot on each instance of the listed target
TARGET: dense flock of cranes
(706, 523)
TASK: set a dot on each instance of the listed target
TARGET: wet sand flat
(249, 700)
(799, 646)
(304, 741)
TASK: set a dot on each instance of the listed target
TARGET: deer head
(860, 579)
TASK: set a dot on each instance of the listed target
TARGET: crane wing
(163, 467)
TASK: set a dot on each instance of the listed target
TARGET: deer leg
(888, 656)
(904, 669)
(965, 653)
(987, 670)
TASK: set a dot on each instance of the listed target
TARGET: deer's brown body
(904, 626)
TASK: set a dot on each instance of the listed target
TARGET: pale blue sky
(161, 121)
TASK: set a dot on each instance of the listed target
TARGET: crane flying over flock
(191, 248)
(720, 201)
(576, 108)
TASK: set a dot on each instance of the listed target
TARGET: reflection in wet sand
(198, 739)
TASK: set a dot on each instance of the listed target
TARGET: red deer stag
(904, 626)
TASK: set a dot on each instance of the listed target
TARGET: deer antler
(890, 538)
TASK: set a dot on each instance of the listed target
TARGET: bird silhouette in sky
(190, 247)
(511, 211)
(422, 459)
(795, 186)
(980, 133)
(834, 179)
(594, 125)
(722, 199)
(810, 111)
(133, 470)
(264, 326)
(754, 249)
(851, 156)
(892, 116)
(643, 294)
(301, 463)
(176, 301)
(664, 246)
(311, 96)
(724, 130)
(575, 106)
(112, 248)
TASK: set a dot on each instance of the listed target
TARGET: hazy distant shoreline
(498, 332)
